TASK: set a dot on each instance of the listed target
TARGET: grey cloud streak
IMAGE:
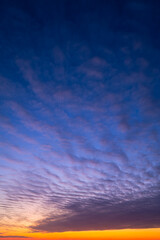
(13, 237)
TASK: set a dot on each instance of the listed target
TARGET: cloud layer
(79, 115)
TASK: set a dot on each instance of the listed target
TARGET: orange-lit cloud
(126, 234)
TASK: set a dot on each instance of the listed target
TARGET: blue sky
(79, 115)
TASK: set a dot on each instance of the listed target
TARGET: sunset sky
(80, 119)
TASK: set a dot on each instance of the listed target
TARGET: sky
(79, 119)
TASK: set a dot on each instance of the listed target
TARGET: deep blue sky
(79, 114)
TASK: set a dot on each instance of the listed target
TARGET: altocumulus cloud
(80, 115)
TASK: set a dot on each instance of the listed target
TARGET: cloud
(80, 115)
(13, 237)
(101, 214)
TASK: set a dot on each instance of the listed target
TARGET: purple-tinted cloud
(101, 214)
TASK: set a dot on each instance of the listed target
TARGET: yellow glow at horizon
(125, 234)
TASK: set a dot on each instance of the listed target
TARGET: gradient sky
(79, 119)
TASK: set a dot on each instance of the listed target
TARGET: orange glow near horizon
(125, 234)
